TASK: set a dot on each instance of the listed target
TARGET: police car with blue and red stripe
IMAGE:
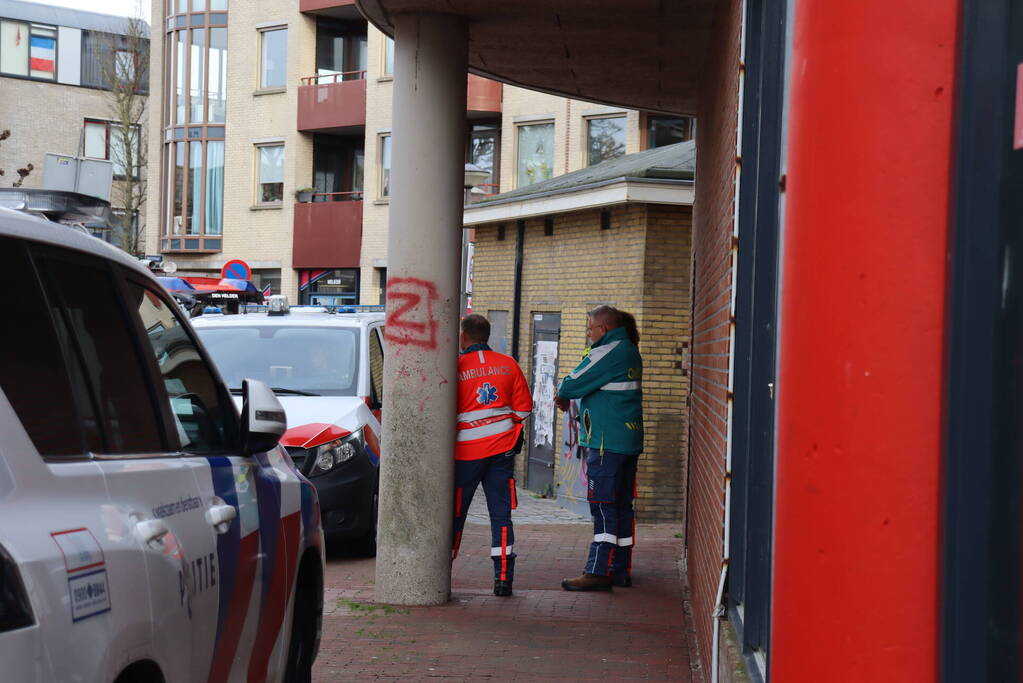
(149, 531)
(326, 366)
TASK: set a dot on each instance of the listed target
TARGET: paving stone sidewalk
(541, 633)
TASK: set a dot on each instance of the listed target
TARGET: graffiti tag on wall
(410, 317)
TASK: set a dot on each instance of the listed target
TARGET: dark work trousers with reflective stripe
(611, 486)
(498, 476)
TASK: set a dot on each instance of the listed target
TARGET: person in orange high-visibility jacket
(493, 400)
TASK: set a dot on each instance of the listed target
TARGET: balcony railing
(337, 196)
(334, 77)
(332, 102)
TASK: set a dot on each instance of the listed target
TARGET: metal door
(540, 470)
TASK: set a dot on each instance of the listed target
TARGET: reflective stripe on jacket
(609, 383)
(493, 400)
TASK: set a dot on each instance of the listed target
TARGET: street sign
(237, 269)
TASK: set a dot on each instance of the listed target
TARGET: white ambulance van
(148, 532)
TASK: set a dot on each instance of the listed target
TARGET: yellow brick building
(618, 233)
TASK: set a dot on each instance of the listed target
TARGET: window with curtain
(217, 81)
(14, 48)
(535, 160)
(196, 77)
(195, 71)
(105, 140)
(28, 50)
(385, 165)
(215, 187)
(273, 71)
(605, 139)
(388, 56)
(270, 185)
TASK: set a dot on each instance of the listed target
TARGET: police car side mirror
(263, 418)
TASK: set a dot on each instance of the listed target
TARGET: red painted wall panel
(862, 319)
(332, 105)
(327, 235)
(483, 94)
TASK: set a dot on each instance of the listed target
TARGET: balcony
(328, 231)
(332, 103)
(484, 96)
(338, 9)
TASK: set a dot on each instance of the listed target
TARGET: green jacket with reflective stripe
(608, 383)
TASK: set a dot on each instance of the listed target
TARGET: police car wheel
(304, 625)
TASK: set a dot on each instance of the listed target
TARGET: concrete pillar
(413, 564)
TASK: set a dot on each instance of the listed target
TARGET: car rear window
(316, 360)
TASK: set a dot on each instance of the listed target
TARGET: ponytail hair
(629, 323)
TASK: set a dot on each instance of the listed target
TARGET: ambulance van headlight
(15, 610)
(334, 453)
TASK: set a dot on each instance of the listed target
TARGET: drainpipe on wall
(520, 238)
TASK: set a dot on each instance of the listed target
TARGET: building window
(105, 140)
(667, 130)
(385, 165)
(337, 168)
(388, 56)
(340, 53)
(28, 50)
(485, 152)
(535, 160)
(605, 139)
(108, 59)
(195, 74)
(273, 58)
(270, 184)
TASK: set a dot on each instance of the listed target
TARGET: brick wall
(640, 265)
(712, 254)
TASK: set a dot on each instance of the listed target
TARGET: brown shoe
(587, 582)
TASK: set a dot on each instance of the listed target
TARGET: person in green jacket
(608, 384)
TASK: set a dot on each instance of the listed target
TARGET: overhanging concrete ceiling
(641, 54)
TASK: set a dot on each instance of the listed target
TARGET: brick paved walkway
(542, 633)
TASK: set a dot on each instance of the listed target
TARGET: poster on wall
(544, 364)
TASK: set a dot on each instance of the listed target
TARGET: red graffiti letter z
(410, 312)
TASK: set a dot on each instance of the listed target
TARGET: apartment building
(55, 79)
(275, 145)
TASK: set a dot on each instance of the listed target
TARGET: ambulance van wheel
(367, 545)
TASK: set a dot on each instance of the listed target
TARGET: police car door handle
(220, 517)
(151, 531)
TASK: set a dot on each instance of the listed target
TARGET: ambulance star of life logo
(486, 394)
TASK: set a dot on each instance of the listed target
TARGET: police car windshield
(307, 361)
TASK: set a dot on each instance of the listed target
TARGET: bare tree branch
(23, 172)
(124, 65)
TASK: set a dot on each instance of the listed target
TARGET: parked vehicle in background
(326, 367)
(147, 531)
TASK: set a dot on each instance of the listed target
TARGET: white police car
(326, 367)
(147, 533)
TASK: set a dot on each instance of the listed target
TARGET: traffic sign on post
(237, 269)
